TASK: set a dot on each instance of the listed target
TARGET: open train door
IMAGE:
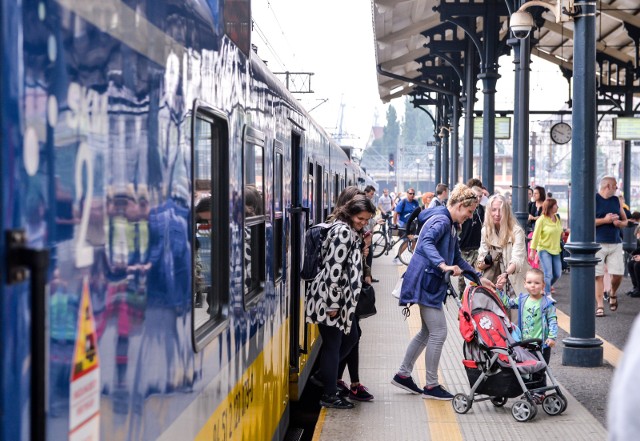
(303, 349)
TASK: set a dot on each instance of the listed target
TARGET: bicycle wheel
(378, 244)
(406, 250)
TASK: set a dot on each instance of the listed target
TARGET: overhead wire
(270, 48)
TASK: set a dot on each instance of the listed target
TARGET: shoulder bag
(366, 306)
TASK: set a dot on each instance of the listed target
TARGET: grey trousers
(431, 336)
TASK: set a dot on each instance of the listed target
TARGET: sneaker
(406, 383)
(360, 393)
(335, 402)
(551, 299)
(396, 261)
(436, 393)
(343, 389)
(634, 293)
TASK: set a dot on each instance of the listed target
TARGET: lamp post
(430, 159)
(417, 173)
(582, 347)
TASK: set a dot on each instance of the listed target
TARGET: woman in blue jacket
(436, 253)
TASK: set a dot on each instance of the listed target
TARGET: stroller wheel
(554, 404)
(523, 410)
(461, 403)
(499, 401)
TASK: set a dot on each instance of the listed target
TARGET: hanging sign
(84, 400)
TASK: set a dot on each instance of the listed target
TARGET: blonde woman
(437, 252)
(504, 240)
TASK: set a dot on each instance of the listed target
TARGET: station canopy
(422, 40)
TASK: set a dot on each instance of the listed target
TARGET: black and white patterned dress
(337, 285)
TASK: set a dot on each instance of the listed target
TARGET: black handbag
(366, 306)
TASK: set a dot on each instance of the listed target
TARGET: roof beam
(406, 58)
(618, 14)
(411, 30)
(600, 47)
(552, 58)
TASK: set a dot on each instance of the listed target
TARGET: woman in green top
(546, 241)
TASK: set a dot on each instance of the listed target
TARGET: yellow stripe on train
(256, 404)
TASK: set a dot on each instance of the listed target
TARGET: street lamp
(417, 173)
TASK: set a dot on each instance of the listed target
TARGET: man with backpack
(404, 209)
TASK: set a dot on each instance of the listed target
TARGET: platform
(397, 415)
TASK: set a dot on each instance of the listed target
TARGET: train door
(298, 219)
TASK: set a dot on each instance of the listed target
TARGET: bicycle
(382, 242)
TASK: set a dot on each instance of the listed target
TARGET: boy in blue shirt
(537, 316)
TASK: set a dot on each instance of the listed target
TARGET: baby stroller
(497, 366)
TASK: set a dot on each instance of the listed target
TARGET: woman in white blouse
(504, 240)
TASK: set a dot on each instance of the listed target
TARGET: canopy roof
(417, 40)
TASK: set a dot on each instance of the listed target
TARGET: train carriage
(157, 181)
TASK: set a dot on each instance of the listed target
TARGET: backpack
(312, 259)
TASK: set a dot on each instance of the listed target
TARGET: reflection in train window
(210, 235)
(278, 218)
(254, 216)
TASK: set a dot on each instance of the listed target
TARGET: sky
(333, 39)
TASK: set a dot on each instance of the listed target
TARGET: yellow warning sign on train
(85, 355)
(84, 400)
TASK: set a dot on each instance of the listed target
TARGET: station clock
(561, 133)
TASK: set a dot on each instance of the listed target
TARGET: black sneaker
(406, 383)
(343, 389)
(436, 393)
(360, 393)
(335, 402)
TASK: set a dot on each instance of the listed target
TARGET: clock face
(561, 133)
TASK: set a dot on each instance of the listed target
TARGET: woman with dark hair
(535, 211)
(333, 295)
(546, 242)
(535, 207)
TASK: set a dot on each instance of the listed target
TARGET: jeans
(432, 336)
(552, 268)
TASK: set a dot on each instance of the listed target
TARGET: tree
(391, 130)
(418, 127)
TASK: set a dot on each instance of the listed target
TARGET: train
(157, 182)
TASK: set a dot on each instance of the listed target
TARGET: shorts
(613, 256)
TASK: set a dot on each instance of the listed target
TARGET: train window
(278, 218)
(336, 188)
(318, 191)
(254, 216)
(326, 194)
(310, 193)
(210, 234)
